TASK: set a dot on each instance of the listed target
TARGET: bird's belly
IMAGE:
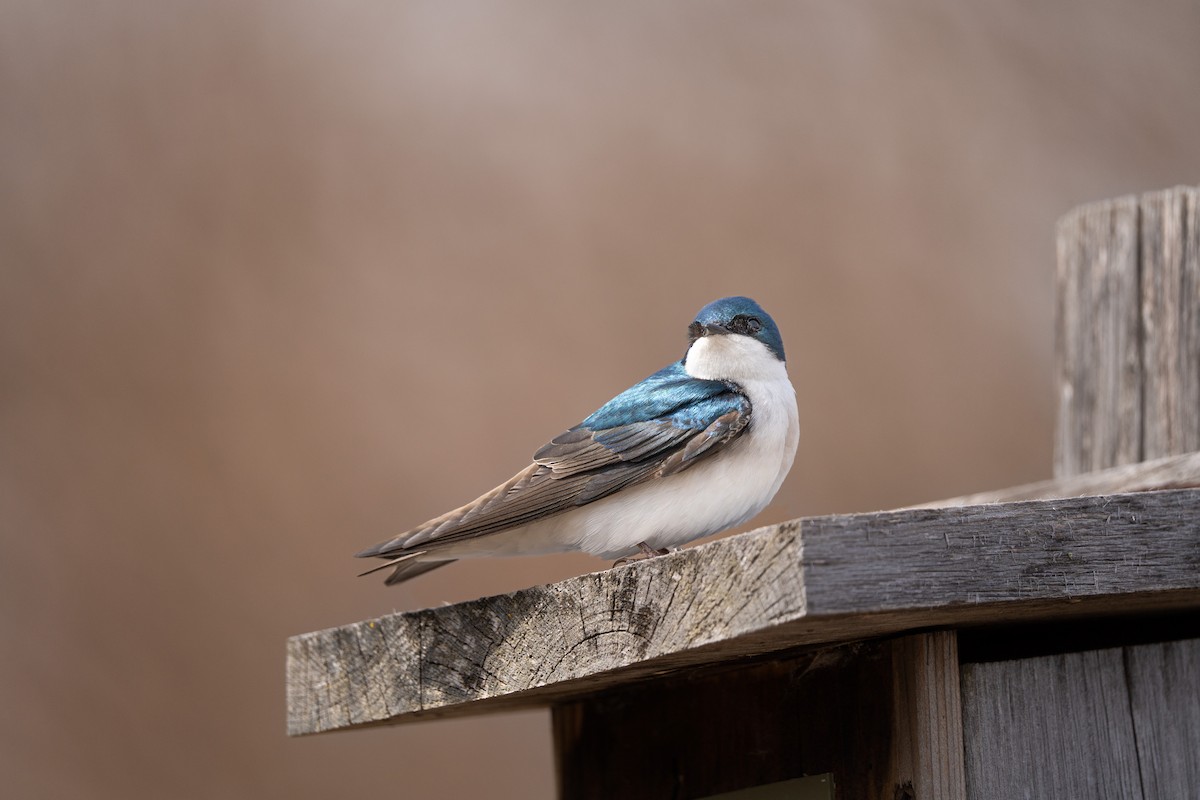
(706, 499)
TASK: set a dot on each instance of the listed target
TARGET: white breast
(721, 492)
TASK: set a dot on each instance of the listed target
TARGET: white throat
(733, 357)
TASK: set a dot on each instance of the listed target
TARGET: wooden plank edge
(356, 681)
(788, 639)
(1065, 552)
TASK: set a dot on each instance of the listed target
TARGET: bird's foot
(646, 551)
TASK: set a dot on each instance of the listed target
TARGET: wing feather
(628, 441)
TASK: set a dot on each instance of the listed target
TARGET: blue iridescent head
(739, 315)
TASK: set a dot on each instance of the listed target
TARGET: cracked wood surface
(809, 582)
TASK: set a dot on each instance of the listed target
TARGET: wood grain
(808, 582)
(1098, 344)
(1119, 722)
(1164, 691)
(1170, 318)
(1058, 727)
(927, 735)
(1128, 331)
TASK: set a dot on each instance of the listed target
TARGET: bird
(698, 447)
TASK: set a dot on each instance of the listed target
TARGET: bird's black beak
(699, 330)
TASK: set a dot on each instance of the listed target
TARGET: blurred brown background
(278, 279)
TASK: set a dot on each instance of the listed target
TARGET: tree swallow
(699, 446)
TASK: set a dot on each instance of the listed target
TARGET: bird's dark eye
(747, 325)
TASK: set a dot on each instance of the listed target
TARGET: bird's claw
(645, 551)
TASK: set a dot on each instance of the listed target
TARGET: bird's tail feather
(390, 562)
(411, 569)
(406, 566)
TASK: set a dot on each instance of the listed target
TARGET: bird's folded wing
(588, 463)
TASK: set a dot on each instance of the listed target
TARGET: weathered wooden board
(882, 718)
(1119, 722)
(1164, 691)
(715, 731)
(1172, 472)
(927, 734)
(807, 582)
(1170, 321)
(1099, 357)
(1128, 331)
(1058, 726)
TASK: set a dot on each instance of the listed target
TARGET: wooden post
(1170, 282)
(1128, 331)
(1118, 722)
(927, 733)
